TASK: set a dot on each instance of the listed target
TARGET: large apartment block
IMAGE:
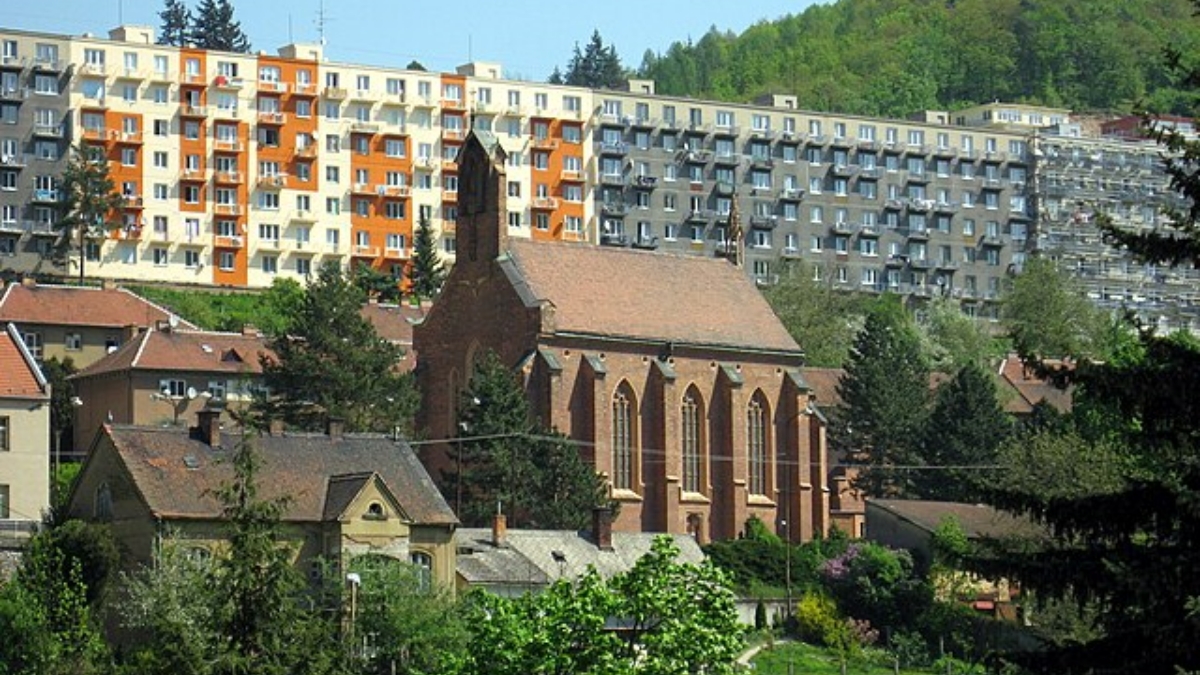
(239, 168)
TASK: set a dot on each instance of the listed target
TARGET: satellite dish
(191, 393)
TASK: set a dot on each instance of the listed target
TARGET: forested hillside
(894, 57)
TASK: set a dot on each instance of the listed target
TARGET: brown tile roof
(976, 520)
(79, 306)
(824, 383)
(1032, 389)
(20, 376)
(185, 350)
(297, 466)
(654, 296)
(394, 323)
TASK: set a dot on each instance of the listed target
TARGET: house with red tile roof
(83, 323)
(24, 439)
(164, 375)
(669, 371)
(394, 323)
(346, 494)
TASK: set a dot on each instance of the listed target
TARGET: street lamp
(355, 581)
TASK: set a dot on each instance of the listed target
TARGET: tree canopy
(897, 57)
(214, 27)
(823, 320)
(597, 66)
(176, 24)
(332, 363)
(425, 274)
(88, 202)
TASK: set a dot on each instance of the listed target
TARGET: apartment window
(160, 256)
(73, 342)
(191, 259)
(5, 490)
(270, 264)
(225, 261)
(129, 156)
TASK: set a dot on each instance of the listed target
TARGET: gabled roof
(185, 350)
(662, 297)
(529, 556)
(823, 383)
(175, 472)
(79, 306)
(394, 323)
(343, 490)
(977, 521)
(20, 376)
(1031, 388)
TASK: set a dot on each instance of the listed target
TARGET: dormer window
(375, 512)
(102, 506)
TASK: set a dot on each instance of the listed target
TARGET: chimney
(250, 330)
(108, 285)
(209, 427)
(335, 427)
(500, 530)
(602, 528)
(28, 282)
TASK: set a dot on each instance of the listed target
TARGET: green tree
(677, 618)
(88, 198)
(1046, 316)
(961, 436)
(333, 363)
(62, 410)
(413, 626)
(954, 340)
(823, 320)
(176, 24)
(504, 456)
(213, 27)
(376, 283)
(425, 274)
(885, 392)
(597, 66)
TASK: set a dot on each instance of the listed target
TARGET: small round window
(375, 511)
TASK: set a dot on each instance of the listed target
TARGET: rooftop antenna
(470, 58)
(291, 35)
(322, 21)
(120, 13)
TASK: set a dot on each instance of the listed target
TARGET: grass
(811, 660)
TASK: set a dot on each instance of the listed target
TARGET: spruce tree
(88, 202)
(597, 66)
(333, 363)
(425, 274)
(176, 24)
(215, 28)
(505, 458)
(884, 393)
(964, 429)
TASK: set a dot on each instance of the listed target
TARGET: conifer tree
(425, 274)
(333, 363)
(597, 66)
(176, 24)
(885, 392)
(88, 200)
(214, 27)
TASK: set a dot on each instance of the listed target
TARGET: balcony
(127, 137)
(363, 189)
(422, 102)
(85, 69)
(726, 159)
(40, 228)
(449, 165)
(646, 243)
(699, 216)
(945, 152)
(394, 191)
(399, 98)
(455, 135)
(453, 104)
(614, 240)
(617, 149)
(919, 264)
(991, 240)
(544, 203)
(225, 113)
(272, 118)
(306, 89)
(843, 170)
(272, 86)
(133, 202)
(728, 131)
(228, 241)
(228, 209)
(614, 209)
(696, 156)
(17, 94)
(12, 62)
(612, 179)
(920, 205)
(44, 197)
(334, 93)
(393, 253)
(945, 207)
(725, 188)
(762, 134)
(130, 232)
(791, 194)
(228, 83)
(308, 152)
(613, 120)
(918, 234)
(227, 145)
(760, 162)
(764, 222)
(364, 127)
(48, 131)
(271, 182)
(894, 204)
(645, 182)
(947, 265)
(365, 251)
(192, 175)
(544, 143)
(868, 230)
(193, 111)
(571, 176)
(450, 196)
(94, 135)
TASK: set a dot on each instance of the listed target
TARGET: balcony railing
(228, 241)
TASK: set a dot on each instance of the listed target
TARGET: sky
(527, 37)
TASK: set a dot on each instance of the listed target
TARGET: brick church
(670, 371)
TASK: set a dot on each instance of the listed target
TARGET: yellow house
(348, 494)
(24, 440)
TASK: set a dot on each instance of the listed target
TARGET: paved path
(750, 653)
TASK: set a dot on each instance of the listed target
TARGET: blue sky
(528, 37)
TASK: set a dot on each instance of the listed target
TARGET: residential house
(515, 562)
(670, 372)
(347, 494)
(24, 440)
(165, 375)
(394, 323)
(83, 323)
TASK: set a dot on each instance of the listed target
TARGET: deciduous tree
(823, 321)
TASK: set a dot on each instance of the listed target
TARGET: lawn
(809, 660)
